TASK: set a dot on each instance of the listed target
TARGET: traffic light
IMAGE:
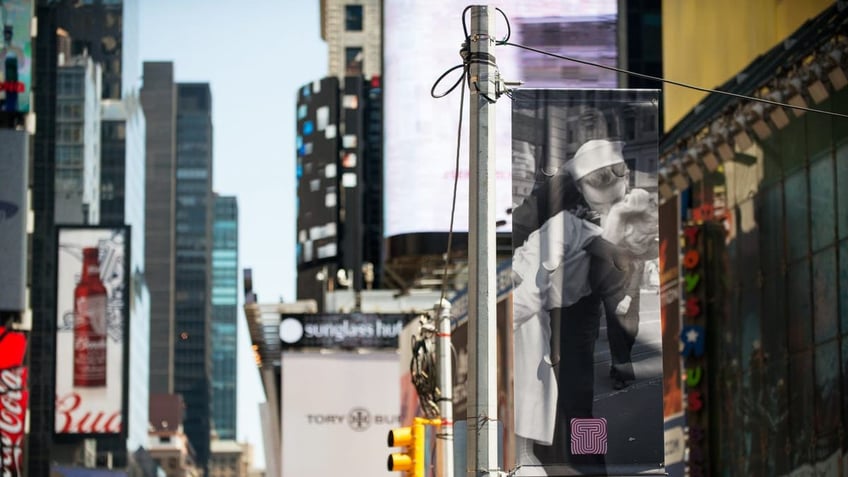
(411, 460)
(411, 438)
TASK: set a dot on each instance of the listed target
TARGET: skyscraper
(224, 315)
(106, 31)
(77, 199)
(122, 182)
(159, 99)
(180, 210)
(354, 34)
(193, 267)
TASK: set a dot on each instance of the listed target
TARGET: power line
(676, 83)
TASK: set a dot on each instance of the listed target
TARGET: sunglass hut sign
(341, 331)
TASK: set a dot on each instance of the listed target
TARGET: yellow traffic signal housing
(411, 460)
(411, 438)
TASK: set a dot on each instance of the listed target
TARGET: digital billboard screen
(91, 327)
(14, 158)
(15, 55)
(317, 171)
(420, 131)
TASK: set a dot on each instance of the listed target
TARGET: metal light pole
(444, 449)
(482, 449)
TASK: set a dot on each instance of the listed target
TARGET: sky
(255, 55)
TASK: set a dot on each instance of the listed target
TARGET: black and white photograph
(586, 319)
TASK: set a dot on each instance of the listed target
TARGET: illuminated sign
(15, 55)
(354, 330)
(420, 132)
(693, 350)
(13, 401)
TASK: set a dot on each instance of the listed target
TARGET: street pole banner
(588, 357)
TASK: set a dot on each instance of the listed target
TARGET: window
(353, 61)
(822, 199)
(797, 215)
(353, 17)
(69, 133)
(630, 126)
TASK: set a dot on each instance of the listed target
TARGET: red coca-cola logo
(70, 419)
(12, 379)
(11, 413)
(13, 405)
(13, 401)
(12, 348)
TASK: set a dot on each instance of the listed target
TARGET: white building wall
(369, 38)
(91, 141)
(129, 110)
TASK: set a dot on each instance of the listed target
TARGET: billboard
(13, 401)
(587, 355)
(341, 330)
(16, 55)
(91, 327)
(669, 271)
(337, 410)
(420, 132)
(317, 171)
(13, 214)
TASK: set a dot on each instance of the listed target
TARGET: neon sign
(694, 351)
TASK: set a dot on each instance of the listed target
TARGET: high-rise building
(193, 267)
(224, 316)
(339, 168)
(105, 31)
(77, 198)
(159, 99)
(180, 210)
(108, 32)
(353, 32)
(122, 182)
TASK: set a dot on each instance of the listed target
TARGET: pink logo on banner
(589, 436)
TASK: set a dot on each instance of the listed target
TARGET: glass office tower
(224, 314)
(192, 304)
